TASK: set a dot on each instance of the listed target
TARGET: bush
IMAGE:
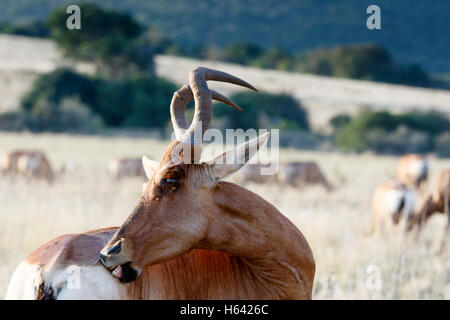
(140, 101)
(368, 128)
(443, 145)
(68, 116)
(339, 121)
(109, 39)
(54, 86)
(264, 110)
(12, 121)
(33, 29)
(242, 53)
(135, 102)
(400, 141)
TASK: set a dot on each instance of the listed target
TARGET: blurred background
(349, 98)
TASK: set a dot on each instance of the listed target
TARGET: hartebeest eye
(168, 181)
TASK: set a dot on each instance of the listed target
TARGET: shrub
(12, 121)
(366, 129)
(242, 53)
(400, 141)
(264, 110)
(443, 145)
(108, 38)
(68, 116)
(339, 121)
(139, 101)
(56, 85)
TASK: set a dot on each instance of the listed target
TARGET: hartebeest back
(190, 235)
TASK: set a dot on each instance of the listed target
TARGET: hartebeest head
(181, 201)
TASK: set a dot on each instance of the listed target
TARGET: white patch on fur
(22, 285)
(71, 283)
(418, 168)
(392, 201)
(87, 283)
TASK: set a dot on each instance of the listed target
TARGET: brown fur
(407, 174)
(17, 162)
(386, 214)
(300, 174)
(126, 167)
(199, 213)
(437, 200)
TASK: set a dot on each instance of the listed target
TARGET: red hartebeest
(126, 167)
(392, 204)
(297, 174)
(412, 170)
(437, 200)
(190, 236)
(28, 163)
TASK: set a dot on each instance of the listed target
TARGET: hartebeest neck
(247, 226)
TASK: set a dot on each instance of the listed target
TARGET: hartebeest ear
(149, 166)
(232, 160)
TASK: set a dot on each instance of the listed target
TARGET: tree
(107, 38)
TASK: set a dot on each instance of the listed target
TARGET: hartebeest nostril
(102, 258)
(115, 249)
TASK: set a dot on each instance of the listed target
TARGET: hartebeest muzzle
(119, 264)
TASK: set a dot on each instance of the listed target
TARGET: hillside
(415, 32)
(23, 58)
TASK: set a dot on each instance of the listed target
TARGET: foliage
(108, 38)
(32, 29)
(400, 141)
(264, 110)
(366, 129)
(67, 116)
(443, 145)
(339, 121)
(411, 33)
(140, 101)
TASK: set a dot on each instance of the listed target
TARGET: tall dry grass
(33, 212)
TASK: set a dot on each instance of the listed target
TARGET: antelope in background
(297, 174)
(30, 164)
(190, 236)
(392, 205)
(126, 167)
(300, 174)
(412, 170)
(437, 200)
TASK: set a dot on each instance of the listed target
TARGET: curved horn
(203, 96)
(185, 95)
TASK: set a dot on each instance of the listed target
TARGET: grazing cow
(126, 167)
(412, 170)
(437, 200)
(392, 203)
(191, 235)
(31, 164)
(300, 174)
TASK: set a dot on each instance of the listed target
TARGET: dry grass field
(33, 212)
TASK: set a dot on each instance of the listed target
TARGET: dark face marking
(128, 273)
